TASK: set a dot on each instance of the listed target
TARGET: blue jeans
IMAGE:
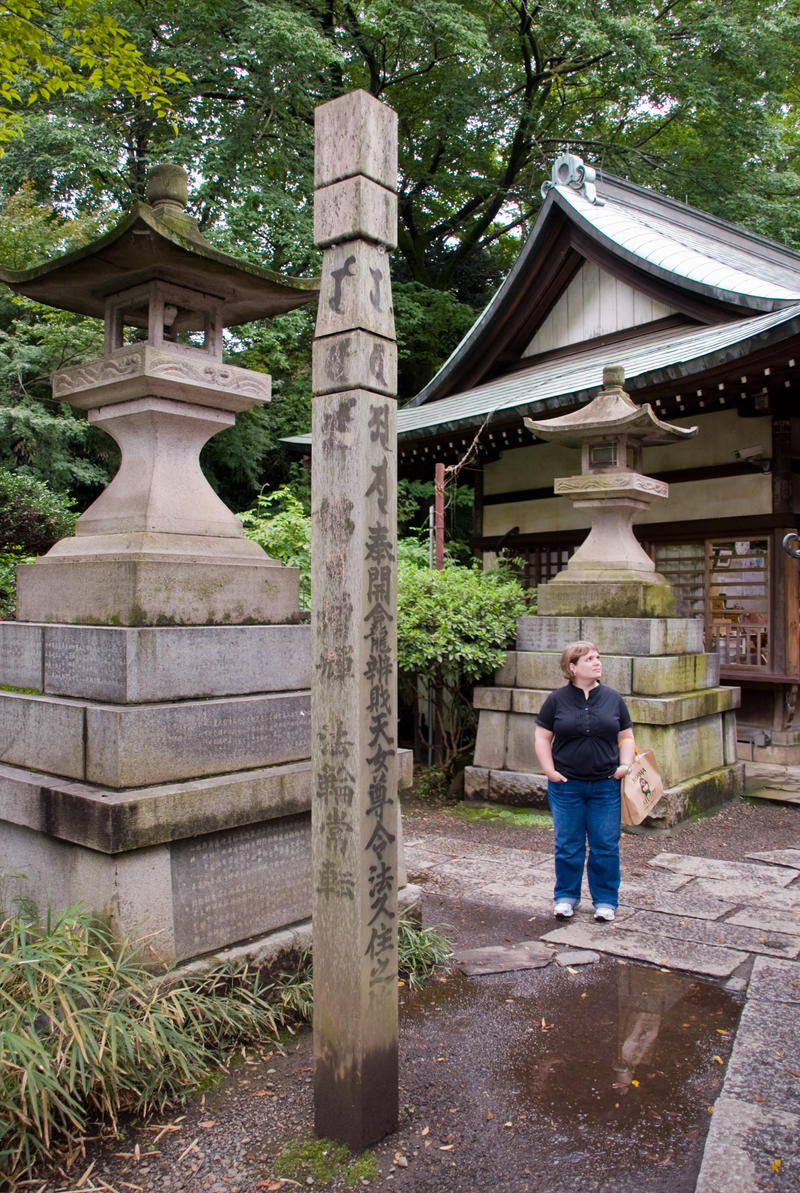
(586, 810)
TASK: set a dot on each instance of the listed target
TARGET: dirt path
(508, 1081)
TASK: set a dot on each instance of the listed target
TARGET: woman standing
(584, 744)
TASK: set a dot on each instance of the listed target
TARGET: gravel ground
(499, 1080)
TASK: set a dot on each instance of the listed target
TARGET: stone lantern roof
(611, 413)
(160, 241)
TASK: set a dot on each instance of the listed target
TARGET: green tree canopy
(50, 48)
(694, 98)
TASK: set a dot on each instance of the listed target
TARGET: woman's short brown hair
(571, 653)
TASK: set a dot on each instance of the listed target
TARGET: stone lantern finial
(613, 377)
(168, 186)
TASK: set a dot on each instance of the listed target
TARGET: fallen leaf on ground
(211, 1123)
(776, 1164)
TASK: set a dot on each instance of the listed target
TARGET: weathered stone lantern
(158, 546)
(610, 574)
(155, 743)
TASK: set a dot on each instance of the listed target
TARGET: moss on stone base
(599, 596)
(698, 796)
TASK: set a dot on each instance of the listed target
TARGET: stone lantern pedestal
(611, 594)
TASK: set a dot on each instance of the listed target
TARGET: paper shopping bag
(641, 790)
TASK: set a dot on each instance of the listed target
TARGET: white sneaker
(604, 913)
(563, 909)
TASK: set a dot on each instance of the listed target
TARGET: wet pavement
(698, 925)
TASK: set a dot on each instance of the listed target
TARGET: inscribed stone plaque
(20, 655)
(131, 746)
(244, 882)
(546, 633)
(138, 664)
(86, 661)
(39, 732)
(354, 360)
(355, 291)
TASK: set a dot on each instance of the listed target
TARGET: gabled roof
(667, 358)
(662, 357)
(707, 269)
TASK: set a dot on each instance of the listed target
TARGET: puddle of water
(605, 1076)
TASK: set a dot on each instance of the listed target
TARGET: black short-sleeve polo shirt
(585, 730)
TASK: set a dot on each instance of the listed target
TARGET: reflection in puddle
(608, 1072)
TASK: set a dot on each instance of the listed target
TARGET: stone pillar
(354, 714)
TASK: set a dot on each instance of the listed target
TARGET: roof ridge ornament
(571, 170)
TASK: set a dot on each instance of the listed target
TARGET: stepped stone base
(198, 865)
(519, 789)
(584, 592)
(671, 687)
(160, 777)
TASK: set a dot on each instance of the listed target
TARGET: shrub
(453, 629)
(87, 1033)
(420, 950)
(32, 517)
(9, 559)
(281, 526)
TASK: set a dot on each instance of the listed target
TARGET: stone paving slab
(576, 957)
(747, 895)
(775, 980)
(706, 867)
(680, 903)
(536, 896)
(528, 954)
(733, 936)
(768, 918)
(744, 1143)
(788, 794)
(777, 857)
(453, 847)
(687, 956)
(655, 880)
(472, 871)
(764, 1067)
